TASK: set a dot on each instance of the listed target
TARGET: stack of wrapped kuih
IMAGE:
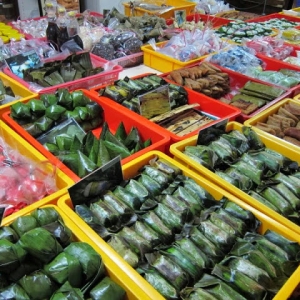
(41, 260)
(185, 242)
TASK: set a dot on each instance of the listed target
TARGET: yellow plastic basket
(162, 62)
(187, 6)
(263, 117)
(297, 97)
(178, 148)
(16, 142)
(18, 89)
(130, 170)
(115, 272)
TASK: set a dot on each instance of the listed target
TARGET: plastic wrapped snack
(22, 181)
(236, 58)
(189, 45)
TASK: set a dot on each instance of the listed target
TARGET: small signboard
(209, 134)
(95, 184)
(155, 102)
(20, 62)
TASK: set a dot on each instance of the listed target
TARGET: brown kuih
(293, 132)
(292, 140)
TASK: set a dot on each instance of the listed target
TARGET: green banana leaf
(122, 248)
(107, 289)
(41, 244)
(24, 224)
(65, 268)
(38, 285)
(66, 291)
(46, 215)
(13, 291)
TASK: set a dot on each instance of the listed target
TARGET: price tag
(180, 16)
(209, 134)
(95, 184)
(2, 210)
(21, 62)
(155, 102)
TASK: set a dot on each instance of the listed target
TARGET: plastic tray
(275, 16)
(263, 117)
(130, 170)
(208, 105)
(162, 62)
(115, 271)
(178, 148)
(16, 142)
(113, 116)
(188, 6)
(271, 64)
(18, 89)
(238, 80)
(88, 82)
(207, 19)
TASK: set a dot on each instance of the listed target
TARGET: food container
(18, 89)
(214, 21)
(130, 61)
(113, 116)
(104, 77)
(178, 148)
(208, 105)
(17, 142)
(270, 64)
(117, 272)
(162, 62)
(275, 16)
(263, 117)
(238, 80)
(130, 170)
(187, 6)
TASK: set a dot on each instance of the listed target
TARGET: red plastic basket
(275, 16)
(208, 105)
(113, 116)
(238, 80)
(88, 82)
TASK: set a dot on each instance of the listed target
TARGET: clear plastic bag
(23, 181)
(189, 45)
(270, 46)
(236, 58)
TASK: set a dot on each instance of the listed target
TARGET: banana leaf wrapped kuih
(75, 66)
(243, 160)
(38, 116)
(35, 265)
(85, 154)
(63, 124)
(183, 241)
(175, 115)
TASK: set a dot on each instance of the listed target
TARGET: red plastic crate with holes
(237, 81)
(207, 105)
(113, 116)
(88, 82)
(275, 16)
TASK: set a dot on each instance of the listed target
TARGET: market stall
(150, 153)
